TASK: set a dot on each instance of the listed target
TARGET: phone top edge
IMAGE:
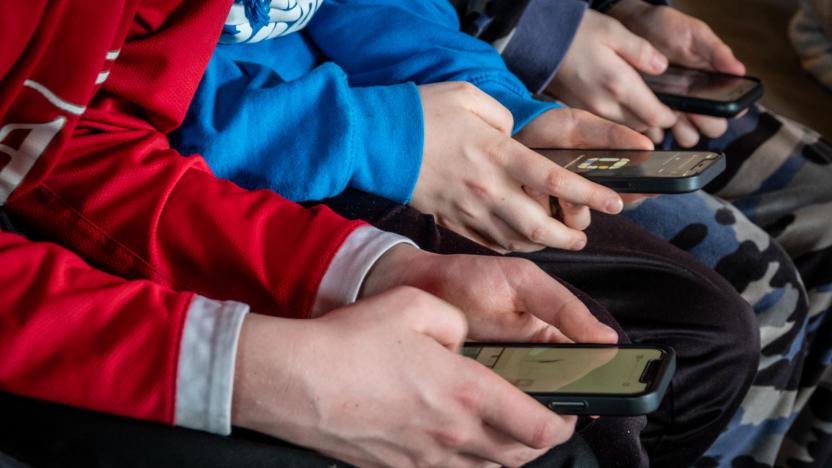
(712, 107)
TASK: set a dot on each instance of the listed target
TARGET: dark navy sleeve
(541, 39)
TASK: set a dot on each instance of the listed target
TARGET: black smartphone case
(650, 184)
(615, 404)
(725, 109)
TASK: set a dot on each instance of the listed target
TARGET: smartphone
(704, 92)
(596, 379)
(630, 171)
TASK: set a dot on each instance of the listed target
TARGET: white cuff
(206, 364)
(349, 267)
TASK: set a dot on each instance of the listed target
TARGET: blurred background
(757, 31)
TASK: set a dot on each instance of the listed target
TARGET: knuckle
(654, 120)
(481, 191)
(548, 434)
(498, 149)
(471, 397)
(539, 234)
(555, 181)
(601, 106)
(615, 85)
(453, 436)
(468, 90)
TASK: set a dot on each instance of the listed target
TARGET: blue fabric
(277, 115)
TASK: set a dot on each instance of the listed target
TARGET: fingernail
(614, 205)
(579, 244)
(659, 62)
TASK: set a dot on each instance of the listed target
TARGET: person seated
(759, 225)
(393, 120)
(162, 327)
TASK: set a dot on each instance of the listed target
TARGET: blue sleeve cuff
(541, 39)
(523, 107)
(389, 154)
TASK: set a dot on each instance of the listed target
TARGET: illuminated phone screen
(700, 84)
(632, 163)
(610, 370)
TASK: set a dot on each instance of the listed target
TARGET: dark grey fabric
(49, 435)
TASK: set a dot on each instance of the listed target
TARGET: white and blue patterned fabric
(258, 20)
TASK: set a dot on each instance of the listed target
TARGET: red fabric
(75, 335)
(108, 187)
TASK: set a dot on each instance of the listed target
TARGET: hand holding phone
(576, 378)
(704, 92)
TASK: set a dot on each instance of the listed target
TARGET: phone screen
(632, 163)
(545, 369)
(700, 84)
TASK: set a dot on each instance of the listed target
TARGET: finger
(542, 199)
(711, 127)
(638, 52)
(642, 101)
(685, 133)
(609, 107)
(506, 237)
(536, 226)
(574, 128)
(630, 119)
(535, 171)
(719, 56)
(574, 216)
(656, 135)
(520, 417)
(630, 198)
(540, 295)
(487, 108)
(495, 446)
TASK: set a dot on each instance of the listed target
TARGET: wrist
(262, 373)
(388, 271)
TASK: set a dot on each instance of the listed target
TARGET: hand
(600, 73)
(503, 299)
(570, 128)
(686, 41)
(380, 383)
(475, 179)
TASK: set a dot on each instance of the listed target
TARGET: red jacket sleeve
(75, 335)
(122, 199)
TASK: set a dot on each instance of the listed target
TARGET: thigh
(778, 176)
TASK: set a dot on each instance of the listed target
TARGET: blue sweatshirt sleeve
(306, 139)
(394, 41)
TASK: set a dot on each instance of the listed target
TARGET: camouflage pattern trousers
(766, 226)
